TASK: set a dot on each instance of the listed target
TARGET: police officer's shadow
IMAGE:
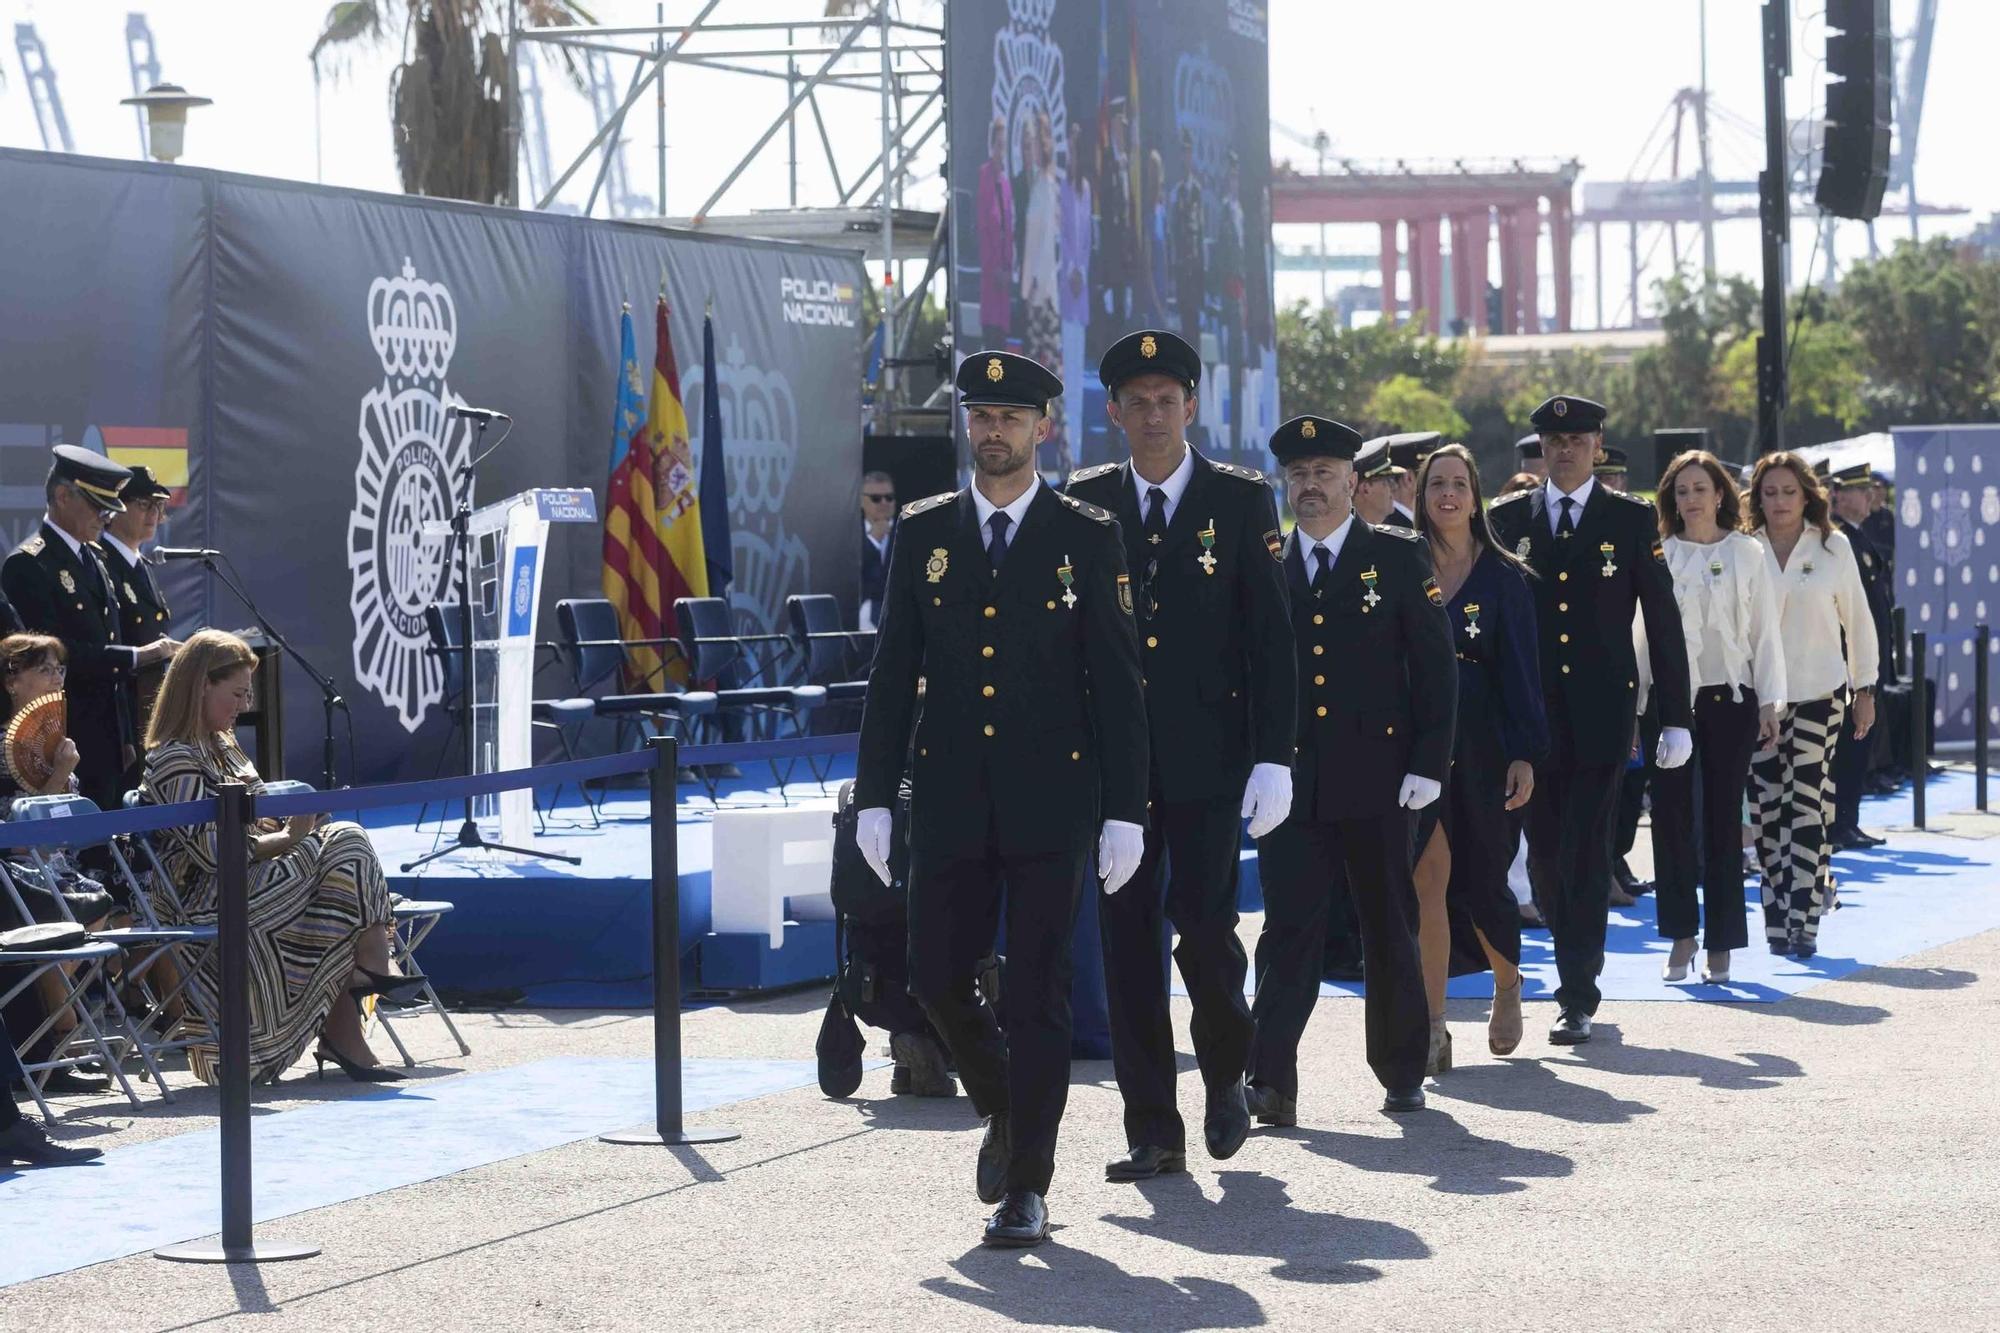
(1054, 1285)
(1431, 1143)
(1255, 1217)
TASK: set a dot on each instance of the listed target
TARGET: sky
(1436, 79)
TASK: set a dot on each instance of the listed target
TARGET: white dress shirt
(1555, 498)
(1173, 487)
(1820, 599)
(130, 554)
(1015, 512)
(1331, 544)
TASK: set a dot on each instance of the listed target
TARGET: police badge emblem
(1521, 548)
(1149, 346)
(68, 583)
(939, 562)
(131, 596)
(994, 370)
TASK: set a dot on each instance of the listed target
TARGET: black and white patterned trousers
(1791, 792)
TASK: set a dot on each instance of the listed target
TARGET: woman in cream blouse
(1830, 665)
(1729, 616)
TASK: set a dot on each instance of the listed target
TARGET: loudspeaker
(1671, 442)
(1860, 66)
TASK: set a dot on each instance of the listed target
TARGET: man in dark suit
(1598, 560)
(878, 525)
(1221, 694)
(1378, 688)
(1407, 453)
(1011, 603)
(58, 583)
(142, 611)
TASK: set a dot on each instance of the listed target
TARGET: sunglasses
(876, 498)
(1149, 603)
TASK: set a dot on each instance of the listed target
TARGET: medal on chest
(1607, 550)
(131, 596)
(1472, 620)
(1373, 599)
(1207, 557)
(939, 562)
(1067, 577)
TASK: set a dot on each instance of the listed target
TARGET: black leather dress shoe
(994, 1150)
(1021, 1220)
(920, 1066)
(1143, 1163)
(1227, 1123)
(1400, 1100)
(1270, 1106)
(68, 1082)
(1571, 1029)
(25, 1143)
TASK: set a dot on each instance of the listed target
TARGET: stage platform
(551, 935)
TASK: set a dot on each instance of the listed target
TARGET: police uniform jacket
(142, 612)
(1588, 587)
(68, 596)
(1032, 726)
(1378, 683)
(1876, 579)
(1215, 624)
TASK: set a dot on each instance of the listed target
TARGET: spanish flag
(652, 520)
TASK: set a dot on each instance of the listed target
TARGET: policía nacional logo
(411, 455)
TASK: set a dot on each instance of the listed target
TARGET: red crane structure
(1473, 199)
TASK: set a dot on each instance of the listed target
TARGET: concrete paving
(1822, 1162)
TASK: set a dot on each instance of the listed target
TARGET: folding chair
(715, 653)
(145, 945)
(564, 717)
(834, 657)
(86, 1041)
(413, 921)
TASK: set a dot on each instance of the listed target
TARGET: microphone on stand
(159, 555)
(487, 414)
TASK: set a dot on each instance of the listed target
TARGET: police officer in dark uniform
(1221, 694)
(1613, 470)
(1853, 492)
(1880, 526)
(142, 611)
(1377, 694)
(1407, 453)
(58, 584)
(1011, 602)
(1598, 560)
(1528, 457)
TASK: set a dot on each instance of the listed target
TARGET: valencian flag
(652, 523)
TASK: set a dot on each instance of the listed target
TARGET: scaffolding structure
(870, 51)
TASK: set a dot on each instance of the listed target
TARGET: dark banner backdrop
(1110, 171)
(293, 348)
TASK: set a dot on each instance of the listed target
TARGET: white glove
(1267, 797)
(1119, 848)
(871, 835)
(1418, 792)
(1675, 747)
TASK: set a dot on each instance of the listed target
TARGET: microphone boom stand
(329, 696)
(460, 549)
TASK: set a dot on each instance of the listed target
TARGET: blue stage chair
(598, 657)
(715, 653)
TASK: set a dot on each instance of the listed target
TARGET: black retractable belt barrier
(1920, 721)
(232, 854)
(668, 1128)
(1982, 646)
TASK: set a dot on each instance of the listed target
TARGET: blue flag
(714, 471)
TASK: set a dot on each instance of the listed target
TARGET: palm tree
(450, 98)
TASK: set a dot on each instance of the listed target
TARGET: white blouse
(1820, 600)
(1729, 617)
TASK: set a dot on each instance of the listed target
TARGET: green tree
(1824, 380)
(1927, 320)
(1326, 367)
(1406, 403)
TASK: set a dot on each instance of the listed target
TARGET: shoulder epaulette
(915, 507)
(1087, 509)
(1092, 472)
(1242, 473)
(34, 544)
(1392, 530)
(1639, 500)
(1509, 499)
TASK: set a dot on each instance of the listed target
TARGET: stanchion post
(232, 856)
(664, 802)
(1920, 720)
(1982, 646)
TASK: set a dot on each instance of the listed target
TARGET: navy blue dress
(1500, 720)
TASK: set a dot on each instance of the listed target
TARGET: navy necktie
(1564, 526)
(996, 546)
(1325, 562)
(1156, 515)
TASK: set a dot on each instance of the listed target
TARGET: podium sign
(509, 538)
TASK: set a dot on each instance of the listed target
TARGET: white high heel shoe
(1717, 971)
(1679, 958)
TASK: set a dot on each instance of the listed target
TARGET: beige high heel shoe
(1503, 1029)
(1717, 971)
(1679, 959)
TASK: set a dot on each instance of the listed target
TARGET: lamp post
(166, 106)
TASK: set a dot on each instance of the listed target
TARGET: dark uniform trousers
(1589, 584)
(1221, 692)
(1377, 700)
(1032, 726)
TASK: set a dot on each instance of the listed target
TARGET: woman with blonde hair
(1736, 666)
(1830, 665)
(319, 909)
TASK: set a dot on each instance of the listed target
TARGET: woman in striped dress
(319, 908)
